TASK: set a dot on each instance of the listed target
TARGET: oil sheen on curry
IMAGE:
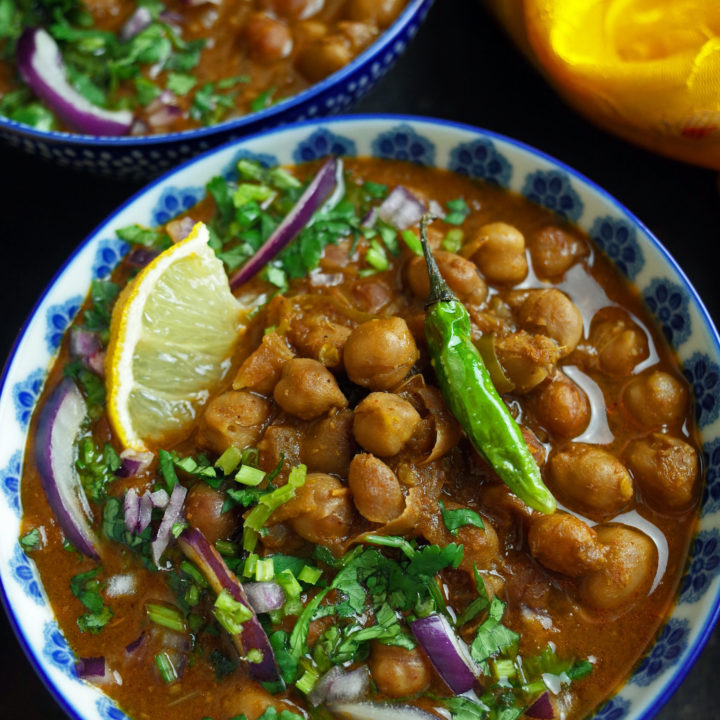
(330, 526)
(127, 67)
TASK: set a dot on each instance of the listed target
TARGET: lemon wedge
(172, 336)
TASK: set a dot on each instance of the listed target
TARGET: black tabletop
(460, 67)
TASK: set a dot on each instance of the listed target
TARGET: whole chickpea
(655, 399)
(501, 253)
(399, 672)
(298, 9)
(554, 251)
(375, 488)
(324, 56)
(268, 39)
(235, 418)
(383, 423)
(460, 274)
(204, 511)
(590, 480)
(619, 342)
(379, 353)
(380, 12)
(627, 575)
(307, 389)
(526, 359)
(561, 407)
(327, 445)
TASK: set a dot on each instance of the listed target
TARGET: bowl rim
(386, 39)
(713, 616)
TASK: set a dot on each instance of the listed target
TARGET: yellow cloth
(648, 70)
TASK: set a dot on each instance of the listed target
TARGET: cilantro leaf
(138, 235)
(492, 636)
(86, 588)
(31, 540)
(455, 519)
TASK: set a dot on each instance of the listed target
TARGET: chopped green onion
(282, 179)
(250, 192)
(310, 574)
(226, 548)
(453, 241)
(250, 565)
(264, 570)
(307, 682)
(458, 212)
(287, 581)
(192, 596)
(503, 669)
(189, 569)
(249, 169)
(165, 668)
(248, 475)
(250, 456)
(254, 656)
(166, 616)
(229, 460)
(375, 256)
(231, 613)
(412, 241)
(375, 190)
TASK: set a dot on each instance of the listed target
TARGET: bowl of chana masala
(364, 439)
(127, 87)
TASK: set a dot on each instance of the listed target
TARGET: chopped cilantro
(492, 636)
(222, 664)
(86, 588)
(93, 388)
(137, 235)
(375, 190)
(96, 467)
(263, 100)
(31, 540)
(456, 519)
(180, 83)
(458, 211)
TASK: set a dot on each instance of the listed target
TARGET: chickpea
(322, 340)
(627, 575)
(526, 359)
(399, 672)
(379, 353)
(590, 480)
(501, 253)
(261, 369)
(666, 469)
(268, 39)
(552, 313)
(554, 251)
(384, 422)
(298, 9)
(203, 510)
(620, 343)
(566, 544)
(460, 274)
(321, 511)
(482, 546)
(307, 389)
(655, 399)
(323, 57)
(327, 446)
(561, 407)
(375, 488)
(234, 418)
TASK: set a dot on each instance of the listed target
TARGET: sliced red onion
(60, 423)
(145, 515)
(135, 645)
(542, 708)
(173, 514)
(339, 191)
(338, 685)
(401, 209)
(141, 256)
(264, 596)
(133, 463)
(379, 711)
(41, 65)
(197, 549)
(447, 653)
(316, 193)
(178, 230)
(83, 343)
(171, 18)
(196, 3)
(91, 668)
(160, 498)
(96, 363)
(320, 279)
(370, 218)
(135, 24)
(163, 110)
(131, 506)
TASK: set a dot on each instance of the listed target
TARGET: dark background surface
(460, 67)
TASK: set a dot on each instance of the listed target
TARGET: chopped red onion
(338, 685)
(131, 506)
(338, 192)
(320, 279)
(83, 343)
(145, 516)
(379, 711)
(447, 653)
(320, 188)
(41, 65)
(264, 596)
(91, 668)
(141, 256)
(135, 645)
(370, 218)
(401, 209)
(133, 463)
(96, 363)
(542, 708)
(173, 513)
(179, 229)
(135, 24)
(196, 3)
(160, 498)
(171, 18)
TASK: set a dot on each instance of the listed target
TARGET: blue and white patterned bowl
(142, 158)
(441, 144)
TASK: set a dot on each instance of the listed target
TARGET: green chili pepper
(469, 392)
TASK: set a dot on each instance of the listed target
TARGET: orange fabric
(648, 70)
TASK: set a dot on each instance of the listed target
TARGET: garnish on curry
(327, 531)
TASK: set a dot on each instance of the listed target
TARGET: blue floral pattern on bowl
(25, 395)
(321, 144)
(57, 651)
(59, 318)
(109, 711)
(703, 375)
(671, 643)
(704, 566)
(230, 172)
(10, 481)
(615, 709)
(108, 255)
(404, 143)
(23, 573)
(617, 238)
(481, 159)
(711, 492)
(552, 189)
(668, 302)
(175, 201)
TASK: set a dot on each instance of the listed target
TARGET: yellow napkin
(648, 70)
